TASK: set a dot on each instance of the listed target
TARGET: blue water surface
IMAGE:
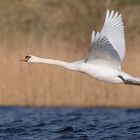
(64, 123)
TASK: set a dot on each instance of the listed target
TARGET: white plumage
(113, 28)
(106, 52)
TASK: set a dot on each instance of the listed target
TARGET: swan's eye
(27, 58)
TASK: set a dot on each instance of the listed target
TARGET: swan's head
(30, 58)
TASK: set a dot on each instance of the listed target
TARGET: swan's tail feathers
(130, 81)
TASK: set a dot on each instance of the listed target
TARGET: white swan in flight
(106, 52)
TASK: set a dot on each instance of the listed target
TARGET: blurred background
(61, 29)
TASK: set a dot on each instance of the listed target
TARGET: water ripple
(69, 123)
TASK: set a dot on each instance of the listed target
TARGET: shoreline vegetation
(61, 30)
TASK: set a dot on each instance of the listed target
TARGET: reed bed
(61, 30)
(40, 84)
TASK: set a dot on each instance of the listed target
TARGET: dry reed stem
(39, 84)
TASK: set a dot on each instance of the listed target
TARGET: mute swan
(106, 52)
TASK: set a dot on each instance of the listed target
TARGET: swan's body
(106, 53)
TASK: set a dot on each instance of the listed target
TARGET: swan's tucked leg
(130, 81)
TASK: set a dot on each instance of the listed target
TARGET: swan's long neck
(70, 66)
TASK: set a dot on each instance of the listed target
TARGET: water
(18, 123)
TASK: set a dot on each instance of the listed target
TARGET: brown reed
(39, 84)
(61, 30)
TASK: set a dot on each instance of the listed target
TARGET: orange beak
(25, 59)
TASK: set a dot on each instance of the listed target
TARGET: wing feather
(101, 50)
(113, 29)
(108, 46)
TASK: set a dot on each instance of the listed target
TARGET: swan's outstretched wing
(113, 29)
(102, 52)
